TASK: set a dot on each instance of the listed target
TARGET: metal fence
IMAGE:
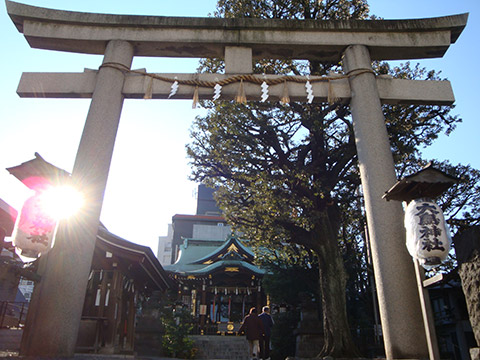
(207, 329)
(13, 314)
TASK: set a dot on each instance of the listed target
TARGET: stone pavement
(13, 355)
(209, 347)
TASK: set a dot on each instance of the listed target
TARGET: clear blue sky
(148, 178)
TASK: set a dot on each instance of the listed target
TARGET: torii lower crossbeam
(82, 85)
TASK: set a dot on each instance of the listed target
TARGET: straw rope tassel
(285, 99)
(149, 91)
(195, 98)
(331, 94)
(241, 97)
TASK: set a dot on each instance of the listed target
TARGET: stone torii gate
(57, 302)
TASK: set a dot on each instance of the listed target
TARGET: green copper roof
(202, 257)
(232, 249)
(229, 266)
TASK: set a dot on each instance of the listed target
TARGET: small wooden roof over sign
(37, 172)
(428, 182)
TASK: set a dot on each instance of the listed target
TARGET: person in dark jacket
(252, 326)
(265, 340)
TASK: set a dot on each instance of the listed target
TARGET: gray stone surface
(207, 37)
(10, 340)
(238, 60)
(57, 300)
(399, 304)
(470, 274)
(81, 85)
(7, 355)
(475, 354)
(467, 248)
(221, 347)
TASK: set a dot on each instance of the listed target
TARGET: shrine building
(215, 271)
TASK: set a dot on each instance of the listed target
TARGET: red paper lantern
(34, 230)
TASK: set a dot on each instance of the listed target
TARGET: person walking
(252, 326)
(267, 322)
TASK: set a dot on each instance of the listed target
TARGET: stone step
(221, 347)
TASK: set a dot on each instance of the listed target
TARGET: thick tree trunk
(338, 339)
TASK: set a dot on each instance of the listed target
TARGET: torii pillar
(239, 41)
(53, 318)
(394, 273)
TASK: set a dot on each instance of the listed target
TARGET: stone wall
(470, 275)
(467, 247)
(221, 347)
(10, 339)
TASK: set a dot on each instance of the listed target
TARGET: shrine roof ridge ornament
(207, 37)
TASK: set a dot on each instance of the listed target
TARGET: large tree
(286, 173)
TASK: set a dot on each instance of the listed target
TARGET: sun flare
(61, 202)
